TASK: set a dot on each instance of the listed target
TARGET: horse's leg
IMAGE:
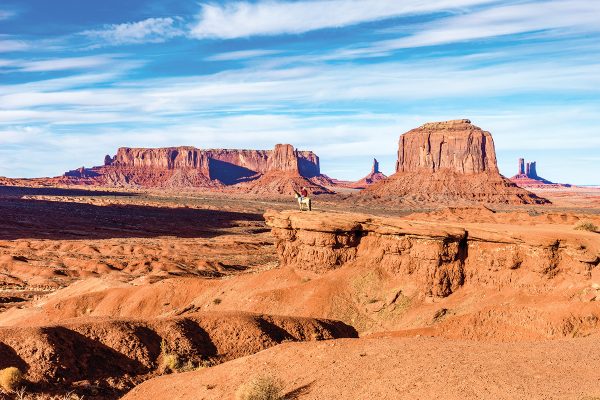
(309, 205)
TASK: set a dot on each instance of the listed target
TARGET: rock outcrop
(527, 176)
(209, 168)
(434, 258)
(374, 176)
(447, 162)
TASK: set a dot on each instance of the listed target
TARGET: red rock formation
(456, 146)
(528, 177)
(374, 176)
(447, 162)
(189, 166)
(521, 166)
(438, 258)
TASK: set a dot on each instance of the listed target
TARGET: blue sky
(341, 77)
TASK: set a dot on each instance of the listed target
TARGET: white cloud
(297, 88)
(566, 16)
(64, 64)
(151, 30)
(241, 55)
(8, 45)
(242, 19)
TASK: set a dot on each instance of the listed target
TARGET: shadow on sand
(40, 219)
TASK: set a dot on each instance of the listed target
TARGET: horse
(304, 203)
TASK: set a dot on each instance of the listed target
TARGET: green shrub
(260, 388)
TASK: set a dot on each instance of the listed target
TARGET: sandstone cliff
(447, 162)
(396, 272)
(457, 146)
(209, 168)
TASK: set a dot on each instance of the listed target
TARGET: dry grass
(21, 394)
(11, 379)
(169, 361)
(263, 387)
(586, 226)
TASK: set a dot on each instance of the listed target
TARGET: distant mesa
(527, 176)
(284, 168)
(450, 161)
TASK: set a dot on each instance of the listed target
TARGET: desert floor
(98, 288)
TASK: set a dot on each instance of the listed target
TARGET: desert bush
(586, 226)
(169, 361)
(11, 379)
(263, 387)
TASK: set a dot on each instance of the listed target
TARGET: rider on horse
(303, 193)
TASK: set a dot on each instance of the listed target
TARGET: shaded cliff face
(447, 162)
(189, 166)
(457, 146)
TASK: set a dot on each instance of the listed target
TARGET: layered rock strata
(451, 161)
(192, 167)
(433, 258)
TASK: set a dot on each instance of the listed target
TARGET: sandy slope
(402, 368)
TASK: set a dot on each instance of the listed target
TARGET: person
(303, 193)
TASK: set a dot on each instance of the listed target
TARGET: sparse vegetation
(169, 361)
(217, 301)
(439, 315)
(586, 226)
(21, 394)
(11, 379)
(263, 387)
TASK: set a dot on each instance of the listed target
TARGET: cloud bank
(244, 19)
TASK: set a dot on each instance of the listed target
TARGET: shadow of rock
(9, 358)
(40, 219)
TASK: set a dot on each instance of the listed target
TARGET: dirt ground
(126, 273)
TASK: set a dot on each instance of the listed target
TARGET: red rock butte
(374, 176)
(450, 161)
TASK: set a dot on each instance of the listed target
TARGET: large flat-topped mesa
(187, 166)
(282, 158)
(447, 162)
(456, 145)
